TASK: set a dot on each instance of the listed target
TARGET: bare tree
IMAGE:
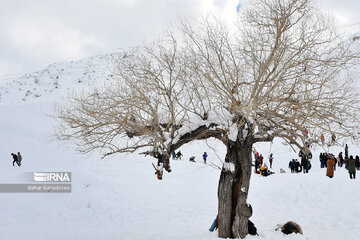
(283, 72)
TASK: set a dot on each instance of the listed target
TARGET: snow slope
(58, 80)
(120, 197)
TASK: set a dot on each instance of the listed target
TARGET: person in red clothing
(261, 160)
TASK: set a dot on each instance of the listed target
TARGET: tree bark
(233, 211)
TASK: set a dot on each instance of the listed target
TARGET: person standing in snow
(346, 151)
(357, 162)
(346, 161)
(291, 165)
(341, 159)
(351, 167)
(15, 159)
(204, 157)
(178, 155)
(271, 160)
(330, 167)
(256, 155)
(261, 160)
(19, 159)
(305, 155)
(257, 165)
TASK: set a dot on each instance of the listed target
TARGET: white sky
(35, 33)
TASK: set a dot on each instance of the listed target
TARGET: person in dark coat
(257, 165)
(271, 160)
(357, 162)
(19, 157)
(346, 151)
(341, 159)
(15, 157)
(351, 167)
(305, 155)
(346, 161)
(321, 158)
(297, 166)
(291, 166)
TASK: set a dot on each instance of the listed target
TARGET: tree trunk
(233, 211)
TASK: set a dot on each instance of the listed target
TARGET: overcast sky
(35, 33)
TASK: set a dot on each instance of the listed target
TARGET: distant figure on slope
(178, 155)
(15, 158)
(192, 159)
(173, 155)
(351, 167)
(271, 160)
(204, 157)
(19, 157)
(330, 167)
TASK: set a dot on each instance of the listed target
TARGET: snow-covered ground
(120, 198)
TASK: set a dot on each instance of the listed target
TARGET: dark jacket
(305, 158)
(19, 157)
(351, 167)
(357, 162)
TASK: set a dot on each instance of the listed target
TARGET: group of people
(17, 158)
(329, 161)
(178, 155)
(295, 166)
(260, 166)
(304, 165)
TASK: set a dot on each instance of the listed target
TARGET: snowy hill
(120, 198)
(57, 80)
